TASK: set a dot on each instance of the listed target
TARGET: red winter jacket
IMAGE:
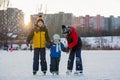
(74, 38)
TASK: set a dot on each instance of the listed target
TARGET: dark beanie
(66, 29)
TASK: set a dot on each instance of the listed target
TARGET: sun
(26, 19)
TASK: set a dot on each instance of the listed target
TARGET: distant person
(74, 46)
(11, 48)
(31, 47)
(6, 47)
(40, 37)
(55, 53)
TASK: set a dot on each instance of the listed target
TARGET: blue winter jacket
(54, 52)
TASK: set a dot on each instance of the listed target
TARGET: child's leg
(71, 60)
(79, 66)
(57, 65)
(52, 64)
(43, 60)
(36, 60)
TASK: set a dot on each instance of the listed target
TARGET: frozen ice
(97, 64)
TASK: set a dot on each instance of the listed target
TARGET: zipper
(40, 39)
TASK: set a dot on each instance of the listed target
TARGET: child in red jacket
(74, 45)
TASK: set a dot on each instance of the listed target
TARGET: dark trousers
(73, 53)
(54, 64)
(39, 52)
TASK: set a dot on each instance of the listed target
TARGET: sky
(77, 7)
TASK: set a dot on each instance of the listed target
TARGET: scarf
(58, 47)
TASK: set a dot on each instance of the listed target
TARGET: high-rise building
(12, 20)
(11, 24)
(111, 24)
(106, 26)
(87, 23)
(54, 21)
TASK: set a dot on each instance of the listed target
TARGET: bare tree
(3, 28)
(1, 2)
(4, 4)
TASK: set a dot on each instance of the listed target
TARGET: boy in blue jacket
(55, 53)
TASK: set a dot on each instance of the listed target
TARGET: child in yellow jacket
(40, 37)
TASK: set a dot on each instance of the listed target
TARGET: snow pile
(111, 41)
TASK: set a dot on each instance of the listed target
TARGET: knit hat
(66, 29)
(40, 19)
(56, 36)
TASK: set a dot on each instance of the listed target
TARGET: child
(75, 45)
(11, 48)
(40, 36)
(55, 54)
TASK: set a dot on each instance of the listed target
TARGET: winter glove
(48, 45)
(67, 50)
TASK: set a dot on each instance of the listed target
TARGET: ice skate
(78, 72)
(44, 72)
(53, 73)
(57, 73)
(34, 72)
(68, 72)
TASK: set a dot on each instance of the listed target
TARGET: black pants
(39, 52)
(75, 53)
(54, 64)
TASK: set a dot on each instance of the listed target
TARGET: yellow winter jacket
(40, 37)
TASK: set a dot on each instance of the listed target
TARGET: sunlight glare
(26, 19)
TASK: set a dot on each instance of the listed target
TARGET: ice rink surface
(97, 64)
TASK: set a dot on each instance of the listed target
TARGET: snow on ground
(97, 64)
(112, 41)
